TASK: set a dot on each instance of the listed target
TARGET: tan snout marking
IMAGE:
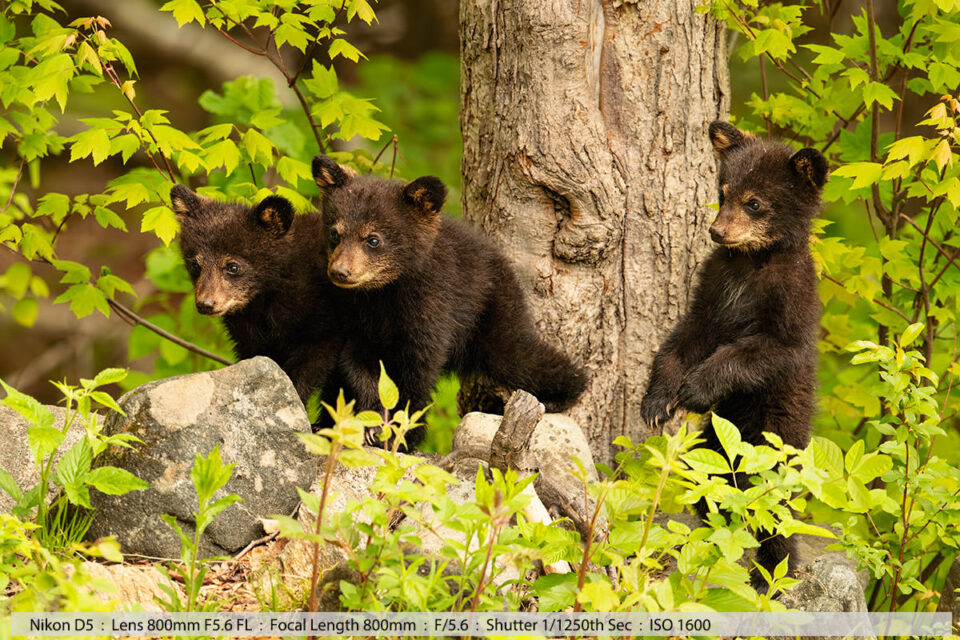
(364, 273)
(222, 294)
(739, 230)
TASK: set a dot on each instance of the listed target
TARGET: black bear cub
(425, 294)
(747, 347)
(263, 270)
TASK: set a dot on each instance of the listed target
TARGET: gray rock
(15, 456)
(949, 600)
(555, 441)
(809, 548)
(829, 584)
(252, 411)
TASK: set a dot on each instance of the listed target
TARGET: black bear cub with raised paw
(747, 347)
(263, 270)
(425, 294)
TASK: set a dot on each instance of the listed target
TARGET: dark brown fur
(425, 294)
(263, 269)
(747, 347)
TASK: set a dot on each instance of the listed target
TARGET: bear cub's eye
(333, 237)
(232, 268)
(193, 267)
(373, 242)
(753, 205)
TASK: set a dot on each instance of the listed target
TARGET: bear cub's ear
(184, 201)
(427, 194)
(726, 137)
(275, 214)
(811, 166)
(328, 174)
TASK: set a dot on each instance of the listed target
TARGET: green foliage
(881, 103)
(915, 509)
(419, 98)
(61, 523)
(254, 147)
(208, 475)
(36, 579)
(486, 548)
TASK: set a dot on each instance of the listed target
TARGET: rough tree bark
(586, 154)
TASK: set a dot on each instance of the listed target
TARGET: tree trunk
(585, 153)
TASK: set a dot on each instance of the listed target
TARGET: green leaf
(912, 147)
(93, 142)
(106, 400)
(293, 170)
(864, 174)
(43, 441)
(84, 298)
(110, 284)
(323, 82)
(727, 434)
(826, 55)
(871, 466)
(162, 221)
(185, 11)
(107, 218)
(25, 312)
(55, 205)
(9, 486)
(27, 406)
(852, 459)
(126, 145)
(223, 154)
(17, 279)
(340, 47)
(109, 376)
(879, 92)
(389, 394)
(707, 460)
(74, 465)
(910, 334)
(114, 481)
(73, 272)
(556, 591)
(258, 147)
(317, 445)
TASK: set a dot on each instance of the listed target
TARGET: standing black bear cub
(263, 270)
(747, 346)
(425, 294)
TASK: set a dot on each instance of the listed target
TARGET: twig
(132, 316)
(931, 241)
(16, 182)
(394, 141)
(879, 302)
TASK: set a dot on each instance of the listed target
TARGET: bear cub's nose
(205, 307)
(718, 235)
(339, 273)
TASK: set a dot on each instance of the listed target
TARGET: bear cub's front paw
(695, 393)
(656, 409)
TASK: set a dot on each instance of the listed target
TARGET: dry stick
(13, 189)
(315, 574)
(134, 319)
(766, 94)
(391, 140)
